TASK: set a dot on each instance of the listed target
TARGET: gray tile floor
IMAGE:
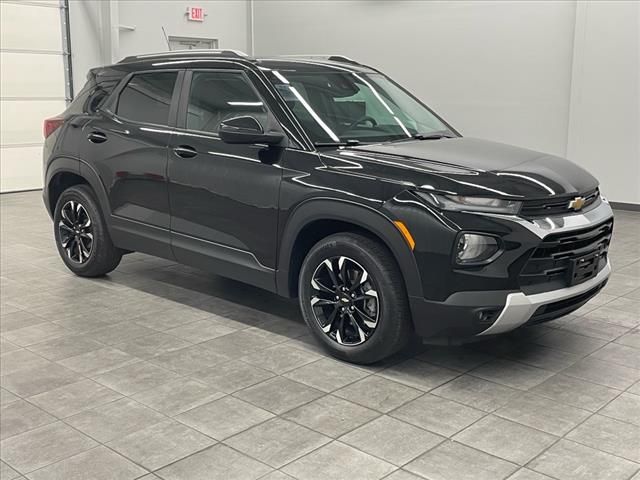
(161, 371)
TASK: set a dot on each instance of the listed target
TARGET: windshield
(342, 107)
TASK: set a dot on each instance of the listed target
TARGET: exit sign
(195, 14)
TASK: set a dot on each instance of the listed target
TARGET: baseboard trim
(632, 207)
(21, 191)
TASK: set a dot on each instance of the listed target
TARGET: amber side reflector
(405, 233)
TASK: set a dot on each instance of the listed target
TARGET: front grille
(560, 259)
(556, 206)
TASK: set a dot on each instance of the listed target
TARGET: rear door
(127, 143)
(223, 197)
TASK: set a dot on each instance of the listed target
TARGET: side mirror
(247, 130)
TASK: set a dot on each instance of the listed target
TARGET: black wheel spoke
(83, 247)
(65, 220)
(66, 228)
(80, 252)
(75, 231)
(340, 338)
(332, 274)
(66, 215)
(319, 286)
(368, 321)
(355, 281)
(342, 265)
(71, 248)
(369, 294)
(330, 320)
(66, 241)
(318, 302)
(74, 211)
(357, 326)
(359, 298)
(348, 312)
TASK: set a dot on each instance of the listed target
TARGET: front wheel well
(312, 234)
(60, 182)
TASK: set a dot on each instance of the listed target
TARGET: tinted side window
(78, 105)
(218, 96)
(147, 97)
(90, 98)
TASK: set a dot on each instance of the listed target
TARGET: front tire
(81, 234)
(353, 298)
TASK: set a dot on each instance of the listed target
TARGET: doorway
(192, 43)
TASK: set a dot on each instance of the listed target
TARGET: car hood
(465, 166)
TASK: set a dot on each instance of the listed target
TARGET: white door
(191, 43)
(32, 87)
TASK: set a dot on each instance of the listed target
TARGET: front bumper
(492, 300)
(520, 308)
(466, 315)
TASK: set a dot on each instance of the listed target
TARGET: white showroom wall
(557, 76)
(542, 75)
(604, 122)
(499, 70)
(105, 31)
(89, 47)
(225, 21)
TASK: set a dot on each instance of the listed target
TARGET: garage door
(32, 87)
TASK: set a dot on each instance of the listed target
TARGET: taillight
(51, 125)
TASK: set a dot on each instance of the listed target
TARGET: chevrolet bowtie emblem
(577, 203)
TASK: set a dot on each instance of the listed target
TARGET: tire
(361, 341)
(96, 256)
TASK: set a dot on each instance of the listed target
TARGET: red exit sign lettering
(196, 14)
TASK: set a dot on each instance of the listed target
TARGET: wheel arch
(316, 219)
(64, 172)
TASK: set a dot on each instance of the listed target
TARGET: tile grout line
(563, 437)
(377, 373)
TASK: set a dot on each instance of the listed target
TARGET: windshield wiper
(347, 143)
(426, 136)
(432, 136)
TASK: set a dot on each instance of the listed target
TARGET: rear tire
(365, 316)
(81, 234)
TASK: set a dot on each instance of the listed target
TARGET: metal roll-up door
(33, 39)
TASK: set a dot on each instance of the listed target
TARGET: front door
(223, 197)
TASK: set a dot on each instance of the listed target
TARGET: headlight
(475, 248)
(474, 204)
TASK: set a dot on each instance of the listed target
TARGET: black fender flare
(54, 167)
(81, 168)
(367, 218)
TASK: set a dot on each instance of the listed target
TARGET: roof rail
(329, 57)
(195, 52)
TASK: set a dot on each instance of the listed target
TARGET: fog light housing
(476, 249)
(488, 316)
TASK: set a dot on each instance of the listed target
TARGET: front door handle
(97, 137)
(185, 151)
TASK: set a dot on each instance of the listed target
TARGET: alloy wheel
(344, 300)
(76, 231)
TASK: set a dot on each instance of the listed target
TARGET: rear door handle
(97, 137)
(185, 151)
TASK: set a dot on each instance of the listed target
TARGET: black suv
(321, 178)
